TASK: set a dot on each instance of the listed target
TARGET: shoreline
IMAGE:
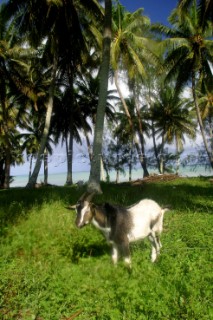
(59, 179)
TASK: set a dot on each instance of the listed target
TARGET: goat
(122, 225)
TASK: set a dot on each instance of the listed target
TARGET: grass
(50, 270)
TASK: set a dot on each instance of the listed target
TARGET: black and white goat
(122, 225)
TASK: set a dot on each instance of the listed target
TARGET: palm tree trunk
(103, 176)
(6, 184)
(117, 166)
(32, 181)
(89, 147)
(200, 121)
(130, 160)
(137, 145)
(178, 156)
(94, 179)
(162, 154)
(7, 146)
(45, 167)
(153, 131)
(2, 173)
(105, 168)
(30, 168)
(146, 173)
(71, 128)
(155, 146)
(69, 180)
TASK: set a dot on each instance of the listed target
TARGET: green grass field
(50, 270)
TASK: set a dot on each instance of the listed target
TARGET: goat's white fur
(143, 213)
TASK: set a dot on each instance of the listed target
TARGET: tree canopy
(57, 58)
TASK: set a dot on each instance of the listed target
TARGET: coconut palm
(37, 27)
(95, 171)
(57, 22)
(205, 102)
(129, 51)
(83, 16)
(66, 128)
(172, 121)
(30, 141)
(87, 102)
(204, 6)
(12, 68)
(9, 144)
(122, 131)
(189, 55)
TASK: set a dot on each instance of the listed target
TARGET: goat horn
(87, 196)
(83, 196)
(90, 196)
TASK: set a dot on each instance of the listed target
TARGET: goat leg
(114, 254)
(125, 251)
(155, 246)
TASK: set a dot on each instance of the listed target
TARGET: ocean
(59, 179)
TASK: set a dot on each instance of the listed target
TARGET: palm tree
(30, 141)
(204, 6)
(82, 14)
(189, 55)
(58, 23)
(95, 171)
(35, 24)
(123, 133)
(205, 102)
(12, 69)
(87, 101)
(172, 121)
(129, 51)
(66, 128)
(9, 144)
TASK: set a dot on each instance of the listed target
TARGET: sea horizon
(59, 178)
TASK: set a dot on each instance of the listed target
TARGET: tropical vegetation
(57, 59)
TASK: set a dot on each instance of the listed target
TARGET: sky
(156, 10)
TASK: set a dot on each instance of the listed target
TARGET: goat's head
(84, 210)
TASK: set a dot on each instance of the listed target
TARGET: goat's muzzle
(79, 225)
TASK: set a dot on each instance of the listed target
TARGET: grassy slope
(50, 270)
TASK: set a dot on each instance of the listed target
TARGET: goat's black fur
(119, 221)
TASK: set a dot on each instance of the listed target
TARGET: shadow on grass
(92, 250)
(191, 194)
(184, 194)
(16, 203)
(188, 194)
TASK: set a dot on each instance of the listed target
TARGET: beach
(59, 179)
